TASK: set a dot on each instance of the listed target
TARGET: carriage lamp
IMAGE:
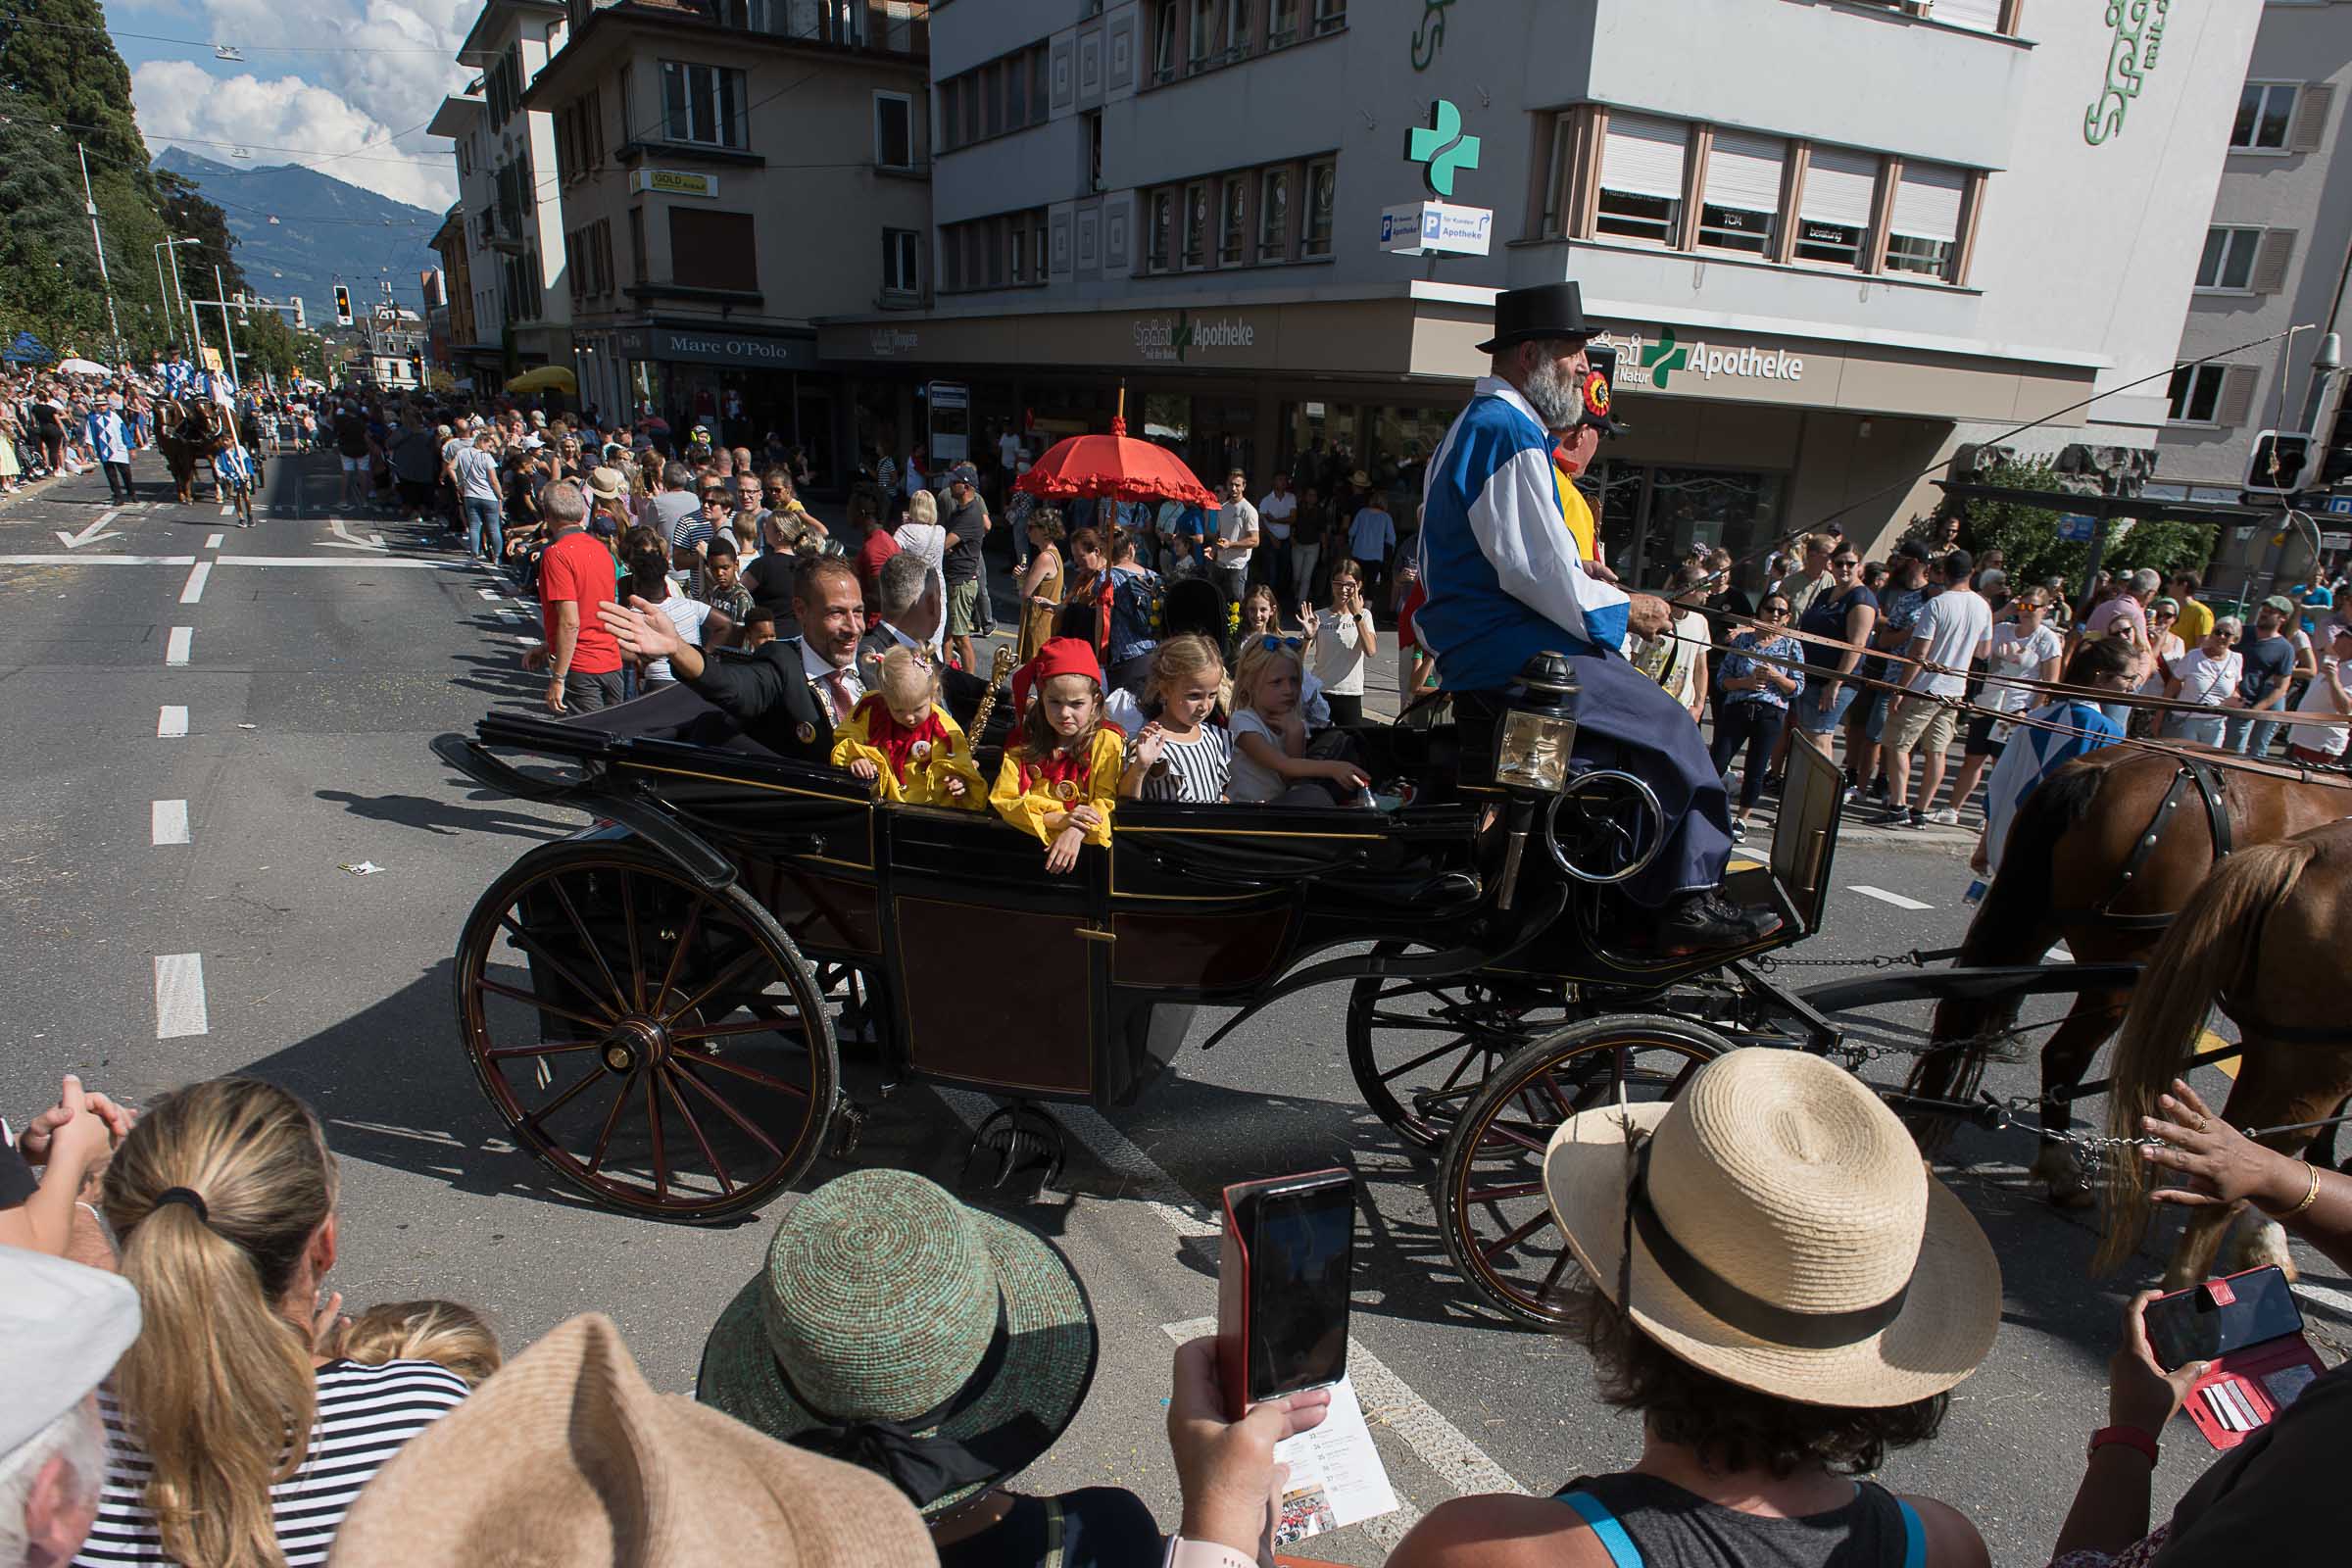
(1531, 745)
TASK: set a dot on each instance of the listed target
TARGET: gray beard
(1557, 402)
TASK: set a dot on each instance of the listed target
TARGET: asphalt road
(311, 685)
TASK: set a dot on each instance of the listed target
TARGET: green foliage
(186, 212)
(2031, 549)
(56, 57)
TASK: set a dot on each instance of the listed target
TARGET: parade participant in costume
(905, 742)
(1507, 580)
(2055, 734)
(175, 375)
(1061, 777)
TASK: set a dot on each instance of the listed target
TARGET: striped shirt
(364, 1414)
(1197, 771)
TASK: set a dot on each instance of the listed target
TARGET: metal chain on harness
(1914, 959)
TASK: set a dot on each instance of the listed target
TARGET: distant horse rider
(1507, 579)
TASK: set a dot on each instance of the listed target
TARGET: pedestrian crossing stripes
(178, 647)
(1885, 897)
(168, 822)
(172, 723)
(179, 1008)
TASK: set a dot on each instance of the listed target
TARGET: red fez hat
(1061, 655)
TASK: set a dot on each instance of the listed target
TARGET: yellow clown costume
(1028, 792)
(912, 763)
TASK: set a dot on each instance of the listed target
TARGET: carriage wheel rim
(663, 1099)
(1485, 1027)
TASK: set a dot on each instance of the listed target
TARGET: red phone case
(1232, 1290)
(2243, 1371)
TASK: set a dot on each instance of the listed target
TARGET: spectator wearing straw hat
(568, 1456)
(62, 1328)
(941, 1348)
(1775, 1281)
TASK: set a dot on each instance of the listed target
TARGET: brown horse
(2262, 938)
(187, 432)
(2103, 855)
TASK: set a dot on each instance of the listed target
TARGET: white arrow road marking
(168, 822)
(172, 723)
(180, 996)
(198, 574)
(345, 539)
(1885, 897)
(177, 647)
(91, 534)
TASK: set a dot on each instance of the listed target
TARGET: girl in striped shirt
(1180, 754)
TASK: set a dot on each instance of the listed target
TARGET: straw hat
(896, 1328)
(568, 1458)
(1792, 1241)
(607, 484)
(1361, 479)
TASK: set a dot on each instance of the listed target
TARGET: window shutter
(1927, 202)
(2270, 261)
(2310, 129)
(1985, 15)
(1842, 185)
(1642, 154)
(2237, 400)
(1744, 171)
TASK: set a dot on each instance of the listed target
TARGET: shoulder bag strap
(1607, 1530)
(1915, 1536)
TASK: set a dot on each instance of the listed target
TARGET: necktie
(837, 686)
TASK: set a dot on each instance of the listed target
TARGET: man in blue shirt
(109, 436)
(1507, 580)
(2270, 668)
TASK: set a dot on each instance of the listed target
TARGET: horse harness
(2213, 793)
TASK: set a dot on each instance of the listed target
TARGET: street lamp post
(106, 285)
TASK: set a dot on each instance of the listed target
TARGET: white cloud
(179, 102)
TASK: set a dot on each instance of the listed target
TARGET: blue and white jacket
(175, 378)
(1504, 577)
(2032, 754)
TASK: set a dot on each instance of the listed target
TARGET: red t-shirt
(1406, 635)
(878, 548)
(578, 567)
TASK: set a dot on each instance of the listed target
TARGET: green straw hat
(896, 1328)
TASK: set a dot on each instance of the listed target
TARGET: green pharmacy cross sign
(1662, 356)
(1441, 147)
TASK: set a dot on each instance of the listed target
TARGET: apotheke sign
(1170, 339)
(1659, 359)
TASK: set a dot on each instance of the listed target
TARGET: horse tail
(2206, 953)
(2011, 927)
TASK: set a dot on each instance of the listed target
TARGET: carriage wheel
(1419, 1049)
(1491, 1205)
(662, 1047)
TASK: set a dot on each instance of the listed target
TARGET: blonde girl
(1181, 755)
(440, 1332)
(1269, 732)
(1261, 617)
(1061, 777)
(234, 1436)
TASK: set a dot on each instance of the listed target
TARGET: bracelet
(2138, 1438)
(2310, 1195)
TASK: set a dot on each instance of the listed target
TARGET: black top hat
(1546, 311)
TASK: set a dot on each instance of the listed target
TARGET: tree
(55, 56)
(2032, 552)
(185, 212)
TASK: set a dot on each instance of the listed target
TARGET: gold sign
(676, 182)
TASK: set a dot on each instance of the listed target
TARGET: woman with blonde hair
(234, 1439)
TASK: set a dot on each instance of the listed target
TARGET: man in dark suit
(908, 597)
(789, 694)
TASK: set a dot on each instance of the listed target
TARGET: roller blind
(1840, 186)
(1642, 154)
(1744, 171)
(1981, 13)
(1926, 203)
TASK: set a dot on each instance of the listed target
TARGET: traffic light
(416, 368)
(2280, 462)
(342, 305)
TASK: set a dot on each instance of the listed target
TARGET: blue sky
(343, 87)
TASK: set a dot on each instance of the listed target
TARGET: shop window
(894, 130)
(1640, 181)
(902, 262)
(1157, 257)
(2196, 391)
(1833, 212)
(2265, 110)
(1321, 445)
(1195, 224)
(1322, 192)
(702, 104)
(713, 250)
(1739, 209)
(1274, 215)
(2228, 262)
(1925, 230)
(1233, 229)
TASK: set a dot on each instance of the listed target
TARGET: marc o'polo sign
(682, 344)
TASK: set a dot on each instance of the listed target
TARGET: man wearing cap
(61, 1329)
(2270, 668)
(1507, 580)
(966, 522)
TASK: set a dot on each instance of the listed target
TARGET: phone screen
(2187, 1327)
(1301, 1256)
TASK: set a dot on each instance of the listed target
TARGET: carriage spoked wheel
(663, 1047)
(1420, 1049)
(1490, 1207)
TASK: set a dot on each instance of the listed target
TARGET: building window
(1164, 224)
(1016, 94)
(1330, 16)
(1237, 28)
(1195, 224)
(713, 250)
(1740, 207)
(979, 253)
(1641, 184)
(1016, 243)
(2227, 263)
(1203, 34)
(1163, 41)
(1282, 24)
(1923, 233)
(2264, 112)
(1094, 151)
(702, 104)
(1040, 97)
(1233, 228)
(1833, 213)
(2196, 392)
(1274, 215)
(1322, 192)
(902, 262)
(638, 270)
(894, 130)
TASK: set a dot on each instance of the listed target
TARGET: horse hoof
(2069, 1184)
(2077, 1194)
(2264, 1244)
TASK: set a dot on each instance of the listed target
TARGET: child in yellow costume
(903, 742)
(1061, 777)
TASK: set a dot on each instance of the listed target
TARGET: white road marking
(97, 561)
(227, 508)
(180, 643)
(372, 565)
(180, 996)
(213, 541)
(490, 594)
(171, 723)
(1885, 897)
(168, 822)
(2060, 951)
(198, 574)
(2328, 1297)
(528, 642)
(91, 534)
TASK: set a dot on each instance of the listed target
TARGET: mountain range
(299, 232)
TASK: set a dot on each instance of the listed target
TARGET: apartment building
(729, 172)
(1833, 240)
(2274, 259)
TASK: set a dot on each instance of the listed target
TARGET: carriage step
(849, 1125)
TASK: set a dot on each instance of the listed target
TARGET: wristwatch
(1182, 1554)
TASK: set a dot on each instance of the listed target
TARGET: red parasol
(1115, 466)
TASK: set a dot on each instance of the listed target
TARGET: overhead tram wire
(212, 45)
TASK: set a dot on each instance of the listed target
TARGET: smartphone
(2188, 1325)
(1284, 1282)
